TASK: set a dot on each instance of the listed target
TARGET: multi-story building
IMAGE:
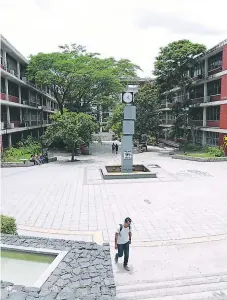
(25, 107)
(208, 98)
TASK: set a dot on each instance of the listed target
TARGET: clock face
(127, 97)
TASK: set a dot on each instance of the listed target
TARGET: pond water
(23, 268)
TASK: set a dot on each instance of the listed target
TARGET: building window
(212, 138)
(215, 62)
(214, 87)
(213, 113)
(196, 114)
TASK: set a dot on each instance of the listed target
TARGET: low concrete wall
(84, 273)
(23, 165)
(201, 159)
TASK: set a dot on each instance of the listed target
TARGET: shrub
(215, 151)
(193, 147)
(8, 225)
(23, 149)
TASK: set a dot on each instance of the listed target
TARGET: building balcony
(215, 98)
(16, 123)
(13, 99)
(196, 123)
(24, 101)
(215, 71)
(163, 104)
(213, 123)
(2, 96)
(197, 100)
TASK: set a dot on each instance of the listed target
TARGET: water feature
(22, 267)
(27, 265)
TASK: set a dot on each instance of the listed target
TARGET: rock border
(24, 165)
(200, 159)
(85, 273)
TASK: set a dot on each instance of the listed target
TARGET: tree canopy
(147, 117)
(79, 79)
(72, 128)
(173, 68)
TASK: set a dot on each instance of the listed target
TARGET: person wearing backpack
(123, 237)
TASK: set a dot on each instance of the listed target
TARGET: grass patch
(200, 154)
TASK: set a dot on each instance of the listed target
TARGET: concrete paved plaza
(187, 200)
(179, 218)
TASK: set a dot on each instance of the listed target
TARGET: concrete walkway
(179, 218)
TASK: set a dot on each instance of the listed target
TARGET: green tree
(116, 119)
(79, 79)
(147, 116)
(173, 68)
(72, 128)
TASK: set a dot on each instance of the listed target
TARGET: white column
(204, 116)
(29, 97)
(19, 93)
(37, 117)
(9, 140)
(4, 58)
(7, 88)
(204, 138)
(30, 117)
(205, 92)
(166, 116)
(206, 68)
(21, 115)
(8, 114)
(18, 69)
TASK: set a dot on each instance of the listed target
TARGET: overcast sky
(133, 29)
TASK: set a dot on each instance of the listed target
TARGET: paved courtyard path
(184, 206)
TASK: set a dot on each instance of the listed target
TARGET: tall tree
(116, 119)
(72, 128)
(147, 116)
(172, 70)
(79, 78)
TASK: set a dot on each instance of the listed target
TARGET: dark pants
(123, 248)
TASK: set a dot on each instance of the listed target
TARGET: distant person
(116, 148)
(123, 237)
(113, 148)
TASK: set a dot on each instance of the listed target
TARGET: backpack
(121, 226)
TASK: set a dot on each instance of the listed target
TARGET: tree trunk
(73, 154)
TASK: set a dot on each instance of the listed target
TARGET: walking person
(113, 148)
(116, 148)
(123, 237)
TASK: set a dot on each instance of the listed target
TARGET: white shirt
(123, 236)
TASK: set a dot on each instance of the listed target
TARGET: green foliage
(173, 62)
(171, 70)
(215, 151)
(8, 225)
(79, 79)
(72, 128)
(24, 149)
(147, 117)
(116, 119)
(192, 147)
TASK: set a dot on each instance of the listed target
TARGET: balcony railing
(213, 123)
(196, 123)
(13, 99)
(215, 97)
(197, 100)
(2, 96)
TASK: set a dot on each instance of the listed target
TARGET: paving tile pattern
(186, 200)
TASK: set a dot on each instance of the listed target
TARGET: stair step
(179, 287)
